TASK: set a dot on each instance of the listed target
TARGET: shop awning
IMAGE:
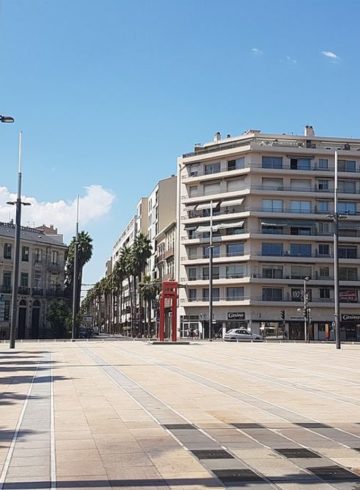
(206, 205)
(233, 202)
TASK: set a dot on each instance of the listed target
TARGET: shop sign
(348, 296)
(350, 316)
(236, 315)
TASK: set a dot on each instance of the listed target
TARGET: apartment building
(165, 253)
(268, 200)
(42, 264)
(121, 311)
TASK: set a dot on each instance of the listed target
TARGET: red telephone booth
(168, 292)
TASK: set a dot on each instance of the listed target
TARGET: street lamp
(6, 119)
(18, 203)
(75, 276)
(306, 309)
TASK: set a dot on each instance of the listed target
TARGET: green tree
(141, 251)
(149, 290)
(84, 254)
(59, 316)
(127, 260)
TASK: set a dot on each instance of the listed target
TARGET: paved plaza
(116, 415)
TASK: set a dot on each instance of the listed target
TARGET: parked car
(243, 335)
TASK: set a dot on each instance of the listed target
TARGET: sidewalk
(133, 415)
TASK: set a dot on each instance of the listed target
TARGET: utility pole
(211, 250)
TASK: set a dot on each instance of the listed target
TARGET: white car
(242, 335)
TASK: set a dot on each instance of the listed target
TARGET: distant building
(41, 279)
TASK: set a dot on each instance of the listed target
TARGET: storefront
(350, 327)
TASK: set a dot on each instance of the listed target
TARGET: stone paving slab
(105, 415)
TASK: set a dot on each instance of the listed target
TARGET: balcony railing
(37, 292)
(55, 292)
(217, 298)
(23, 290)
(5, 289)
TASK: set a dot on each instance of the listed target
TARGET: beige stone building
(272, 197)
(41, 278)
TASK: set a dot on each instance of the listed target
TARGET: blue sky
(109, 92)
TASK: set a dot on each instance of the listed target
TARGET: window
(272, 183)
(216, 251)
(25, 254)
(300, 184)
(7, 310)
(300, 249)
(347, 207)
(37, 280)
(272, 162)
(215, 271)
(300, 206)
(323, 163)
(301, 230)
(300, 163)
(193, 191)
(54, 257)
(272, 271)
(234, 271)
(323, 206)
(270, 229)
(192, 252)
(272, 294)
(236, 164)
(347, 252)
(324, 272)
(7, 281)
(7, 250)
(347, 186)
(215, 294)
(24, 280)
(192, 273)
(273, 205)
(348, 274)
(346, 165)
(235, 184)
(212, 168)
(37, 255)
(324, 249)
(324, 228)
(323, 185)
(192, 295)
(193, 170)
(212, 188)
(324, 293)
(234, 249)
(271, 249)
(234, 293)
(300, 271)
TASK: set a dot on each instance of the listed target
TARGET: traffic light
(283, 314)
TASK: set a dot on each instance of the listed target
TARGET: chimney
(217, 136)
(309, 131)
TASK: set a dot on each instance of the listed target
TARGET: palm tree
(127, 260)
(142, 251)
(149, 290)
(84, 254)
(118, 277)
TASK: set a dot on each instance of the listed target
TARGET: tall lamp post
(18, 203)
(75, 275)
(306, 309)
(211, 253)
(336, 257)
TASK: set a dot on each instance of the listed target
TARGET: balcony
(6, 289)
(37, 292)
(54, 268)
(55, 292)
(24, 290)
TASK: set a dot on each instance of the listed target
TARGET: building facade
(41, 278)
(268, 202)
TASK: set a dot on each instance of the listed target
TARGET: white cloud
(95, 204)
(330, 54)
(257, 51)
(291, 60)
